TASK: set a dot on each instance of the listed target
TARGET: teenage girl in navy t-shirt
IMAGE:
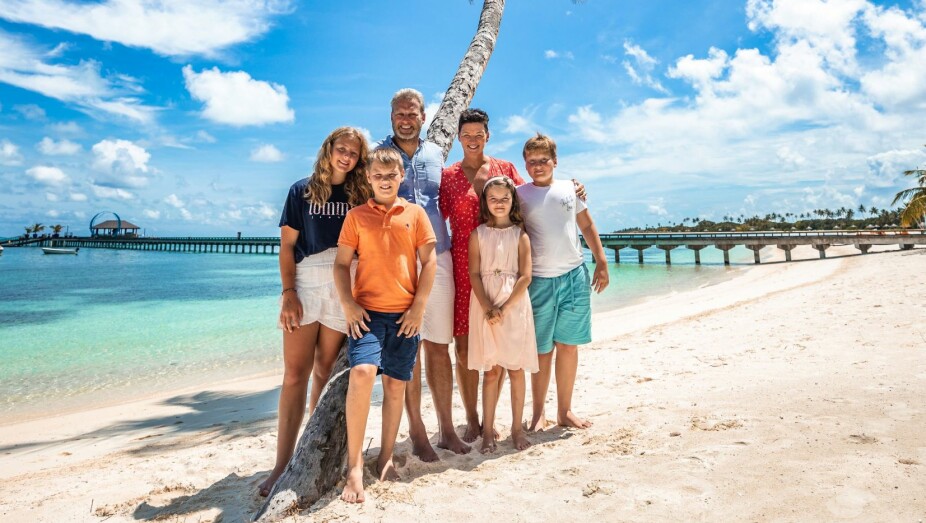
(310, 312)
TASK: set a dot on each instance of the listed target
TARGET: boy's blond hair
(541, 143)
(386, 156)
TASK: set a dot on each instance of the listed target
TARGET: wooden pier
(229, 245)
(757, 240)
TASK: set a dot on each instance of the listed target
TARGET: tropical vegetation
(914, 200)
(861, 217)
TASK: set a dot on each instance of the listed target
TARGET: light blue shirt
(422, 184)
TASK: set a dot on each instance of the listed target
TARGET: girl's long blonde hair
(358, 189)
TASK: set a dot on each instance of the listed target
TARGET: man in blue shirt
(424, 162)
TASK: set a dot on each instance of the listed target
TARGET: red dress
(460, 205)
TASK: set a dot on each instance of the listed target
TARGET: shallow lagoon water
(108, 325)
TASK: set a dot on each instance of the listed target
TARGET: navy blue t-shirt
(318, 226)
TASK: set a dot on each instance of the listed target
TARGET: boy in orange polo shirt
(385, 310)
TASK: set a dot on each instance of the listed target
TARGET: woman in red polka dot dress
(460, 186)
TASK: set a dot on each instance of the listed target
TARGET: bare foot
(473, 431)
(519, 441)
(424, 451)
(353, 487)
(538, 424)
(387, 471)
(453, 443)
(488, 445)
(573, 421)
(266, 487)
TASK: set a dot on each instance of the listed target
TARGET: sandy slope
(793, 392)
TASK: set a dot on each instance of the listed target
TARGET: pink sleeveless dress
(511, 343)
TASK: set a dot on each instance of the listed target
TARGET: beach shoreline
(212, 443)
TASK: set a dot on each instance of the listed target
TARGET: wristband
(287, 290)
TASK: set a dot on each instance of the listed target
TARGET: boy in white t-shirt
(560, 287)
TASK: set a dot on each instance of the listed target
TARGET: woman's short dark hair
(474, 116)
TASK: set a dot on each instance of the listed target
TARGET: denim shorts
(562, 309)
(393, 354)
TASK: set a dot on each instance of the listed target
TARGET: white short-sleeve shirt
(550, 219)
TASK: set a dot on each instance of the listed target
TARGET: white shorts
(437, 326)
(315, 289)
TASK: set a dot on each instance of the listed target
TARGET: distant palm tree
(28, 230)
(914, 199)
(56, 229)
(37, 228)
(861, 209)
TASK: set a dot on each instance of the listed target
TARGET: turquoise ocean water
(107, 326)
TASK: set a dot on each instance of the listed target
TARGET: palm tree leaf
(914, 211)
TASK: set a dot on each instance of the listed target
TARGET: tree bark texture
(443, 128)
(318, 462)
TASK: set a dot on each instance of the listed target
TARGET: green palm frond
(915, 211)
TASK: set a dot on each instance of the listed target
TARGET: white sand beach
(792, 392)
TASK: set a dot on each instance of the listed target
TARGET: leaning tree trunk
(443, 128)
(318, 462)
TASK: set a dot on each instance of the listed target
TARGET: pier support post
(697, 251)
(668, 249)
(822, 247)
(863, 247)
(640, 249)
(787, 249)
(755, 252)
(725, 247)
(617, 252)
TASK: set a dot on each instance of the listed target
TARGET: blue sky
(194, 117)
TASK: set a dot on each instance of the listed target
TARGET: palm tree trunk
(318, 461)
(462, 88)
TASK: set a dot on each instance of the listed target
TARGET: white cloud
(9, 153)
(30, 112)
(123, 163)
(24, 66)
(885, 169)
(518, 124)
(186, 215)
(550, 54)
(77, 197)
(47, 175)
(52, 148)
(266, 153)
(52, 197)
(67, 128)
(174, 201)
(641, 67)
(203, 136)
(658, 208)
(168, 27)
(111, 193)
(234, 98)
(152, 214)
(431, 108)
(53, 213)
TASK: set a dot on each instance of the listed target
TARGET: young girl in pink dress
(501, 321)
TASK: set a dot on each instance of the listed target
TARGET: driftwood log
(318, 462)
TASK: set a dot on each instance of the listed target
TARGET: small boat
(60, 250)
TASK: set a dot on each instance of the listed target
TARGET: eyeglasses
(538, 163)
(387, 177)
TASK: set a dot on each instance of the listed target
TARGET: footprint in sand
(863, 439)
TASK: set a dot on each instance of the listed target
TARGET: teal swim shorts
(562, 309)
